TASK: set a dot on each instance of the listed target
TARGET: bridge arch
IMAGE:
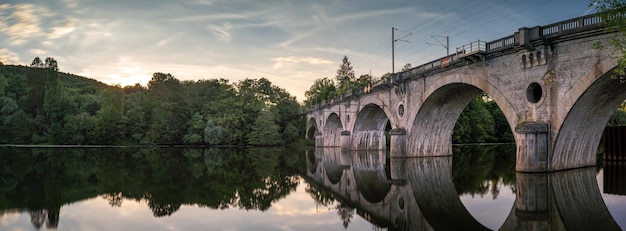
(369, 128)
(311, 128)
(431, 131)
(372, 181)
(332, 131)
(588, 107)
(332, 165)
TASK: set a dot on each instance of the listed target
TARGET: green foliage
(196, 128)
(613, 16)
(213, 133)
(482, 121)
(265, 130)
(322, 90)
(345, 76)
(60, 108)
(618, 118)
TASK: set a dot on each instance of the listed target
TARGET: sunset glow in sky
(291, 43)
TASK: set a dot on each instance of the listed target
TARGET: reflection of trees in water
(49, 217)
(482, 170)
(320, 195)
(345, 213)
(114, 199)
(164, 178)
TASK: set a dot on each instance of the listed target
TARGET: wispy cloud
(21, 24)
(207, 18)
(221, 32)
(9, 57)
(60, 31)
(38, 52)
(282, 62)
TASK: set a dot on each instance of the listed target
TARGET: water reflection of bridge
(418, 194)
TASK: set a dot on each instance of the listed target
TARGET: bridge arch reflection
(419, 194)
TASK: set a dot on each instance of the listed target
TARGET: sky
(291, 43)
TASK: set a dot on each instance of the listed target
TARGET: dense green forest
(40, 105)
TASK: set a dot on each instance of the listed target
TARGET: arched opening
(482, 121)
(371, 129)
(587, 137)
(484, 175)
(432, 185)
(431, 131)
(332, 131)
(485, 181)
(332, 164)
(311, 163)
(311, 129)
(579, 135)
(461, 113)
(370, 175)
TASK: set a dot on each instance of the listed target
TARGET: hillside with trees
(40, 105)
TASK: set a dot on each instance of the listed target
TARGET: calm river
(285, 189)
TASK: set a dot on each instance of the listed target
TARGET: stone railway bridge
(553, 84)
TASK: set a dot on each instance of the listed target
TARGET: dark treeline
(39, 105)
(482, 121)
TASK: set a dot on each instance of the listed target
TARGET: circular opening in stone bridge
(534, 93)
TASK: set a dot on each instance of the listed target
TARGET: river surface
(289, 189)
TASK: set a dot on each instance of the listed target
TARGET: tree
(51, 63)
(195, 129)
(345, 76)
(407, 67)
(613, 15)
(364, 81)
(4, 83)
(265, 130)
(36, 62)
(109, 120)
(322, 89)
(212, 133)
(475, 124)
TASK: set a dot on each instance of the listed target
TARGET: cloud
(282, 62)
(221, 32)
(165, 41)
(71, 3)
(22, 24)
(38, 52)
(9, 57)
(60, 31)
(210, 17)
